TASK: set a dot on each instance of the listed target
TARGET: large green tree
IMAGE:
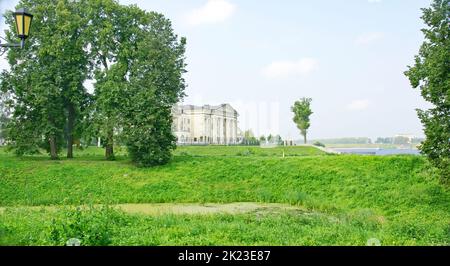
(156, 85)
(431, 74)
(46, 78)
(302, 113)
(111, 28)
(138, 63)
(135, 59)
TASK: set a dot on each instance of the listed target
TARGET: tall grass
(349, 198)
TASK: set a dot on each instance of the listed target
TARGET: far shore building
(197, 125)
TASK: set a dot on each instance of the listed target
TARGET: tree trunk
(70, 127)
(109, 150)
(53, 149)
(304, 137)
(109, 146)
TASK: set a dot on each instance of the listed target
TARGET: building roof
(207, 108)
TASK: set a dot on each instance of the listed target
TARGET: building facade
(206, 125)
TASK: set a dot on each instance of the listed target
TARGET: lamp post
(23, 21)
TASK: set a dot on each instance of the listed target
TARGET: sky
(261, 56)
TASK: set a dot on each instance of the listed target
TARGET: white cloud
(367, 38)
(213, 11)
(283, 69)
(374, 1)
(358, 105)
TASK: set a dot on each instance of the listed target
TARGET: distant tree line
(400, 140)
(358, 140)
(135, 59)
(250, 139)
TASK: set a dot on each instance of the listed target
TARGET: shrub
(91, 225)
(319, 144)
(245, 153)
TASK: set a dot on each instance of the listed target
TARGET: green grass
(246, 151)
(348, 198)
(25, 227)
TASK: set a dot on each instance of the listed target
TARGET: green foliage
(135, 58)
(384, 140)
(245, 153)
(230, 151)
(250, 139)
(138, 79)
(302, 113)
(257, 228)
(111, 59)
(319, 144)
(156, 85)
(90, 225)
(346, 199)
(431, 74)
(5, 114)
(46, 78)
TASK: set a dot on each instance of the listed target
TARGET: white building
(206, 124)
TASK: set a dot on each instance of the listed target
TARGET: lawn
(338, 199)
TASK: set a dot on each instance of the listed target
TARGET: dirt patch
(191, 209)
(207, 208)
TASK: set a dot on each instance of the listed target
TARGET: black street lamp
(23, 21)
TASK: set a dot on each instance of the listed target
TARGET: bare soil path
(190, 209)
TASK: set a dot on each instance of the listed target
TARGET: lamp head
(23, 20)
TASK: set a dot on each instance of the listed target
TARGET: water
(379, 152)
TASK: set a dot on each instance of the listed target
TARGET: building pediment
(225, 109)
(218, 110)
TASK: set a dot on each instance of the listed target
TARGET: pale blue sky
(262, 55)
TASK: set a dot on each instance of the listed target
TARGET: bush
(245, 153)
(91, 225)
(319, 144)
(149, 137)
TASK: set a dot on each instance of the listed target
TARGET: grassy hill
(340, 200)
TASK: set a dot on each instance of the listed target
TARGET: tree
(110, 32)
(278, 140)
(384, 140)
(73, 71)
(431, 74)
(135, 58)
(302, 112)
(156, 84)
(249, 138)
(248, 134)
(270, 138)
(46, 78)
(5, 114)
